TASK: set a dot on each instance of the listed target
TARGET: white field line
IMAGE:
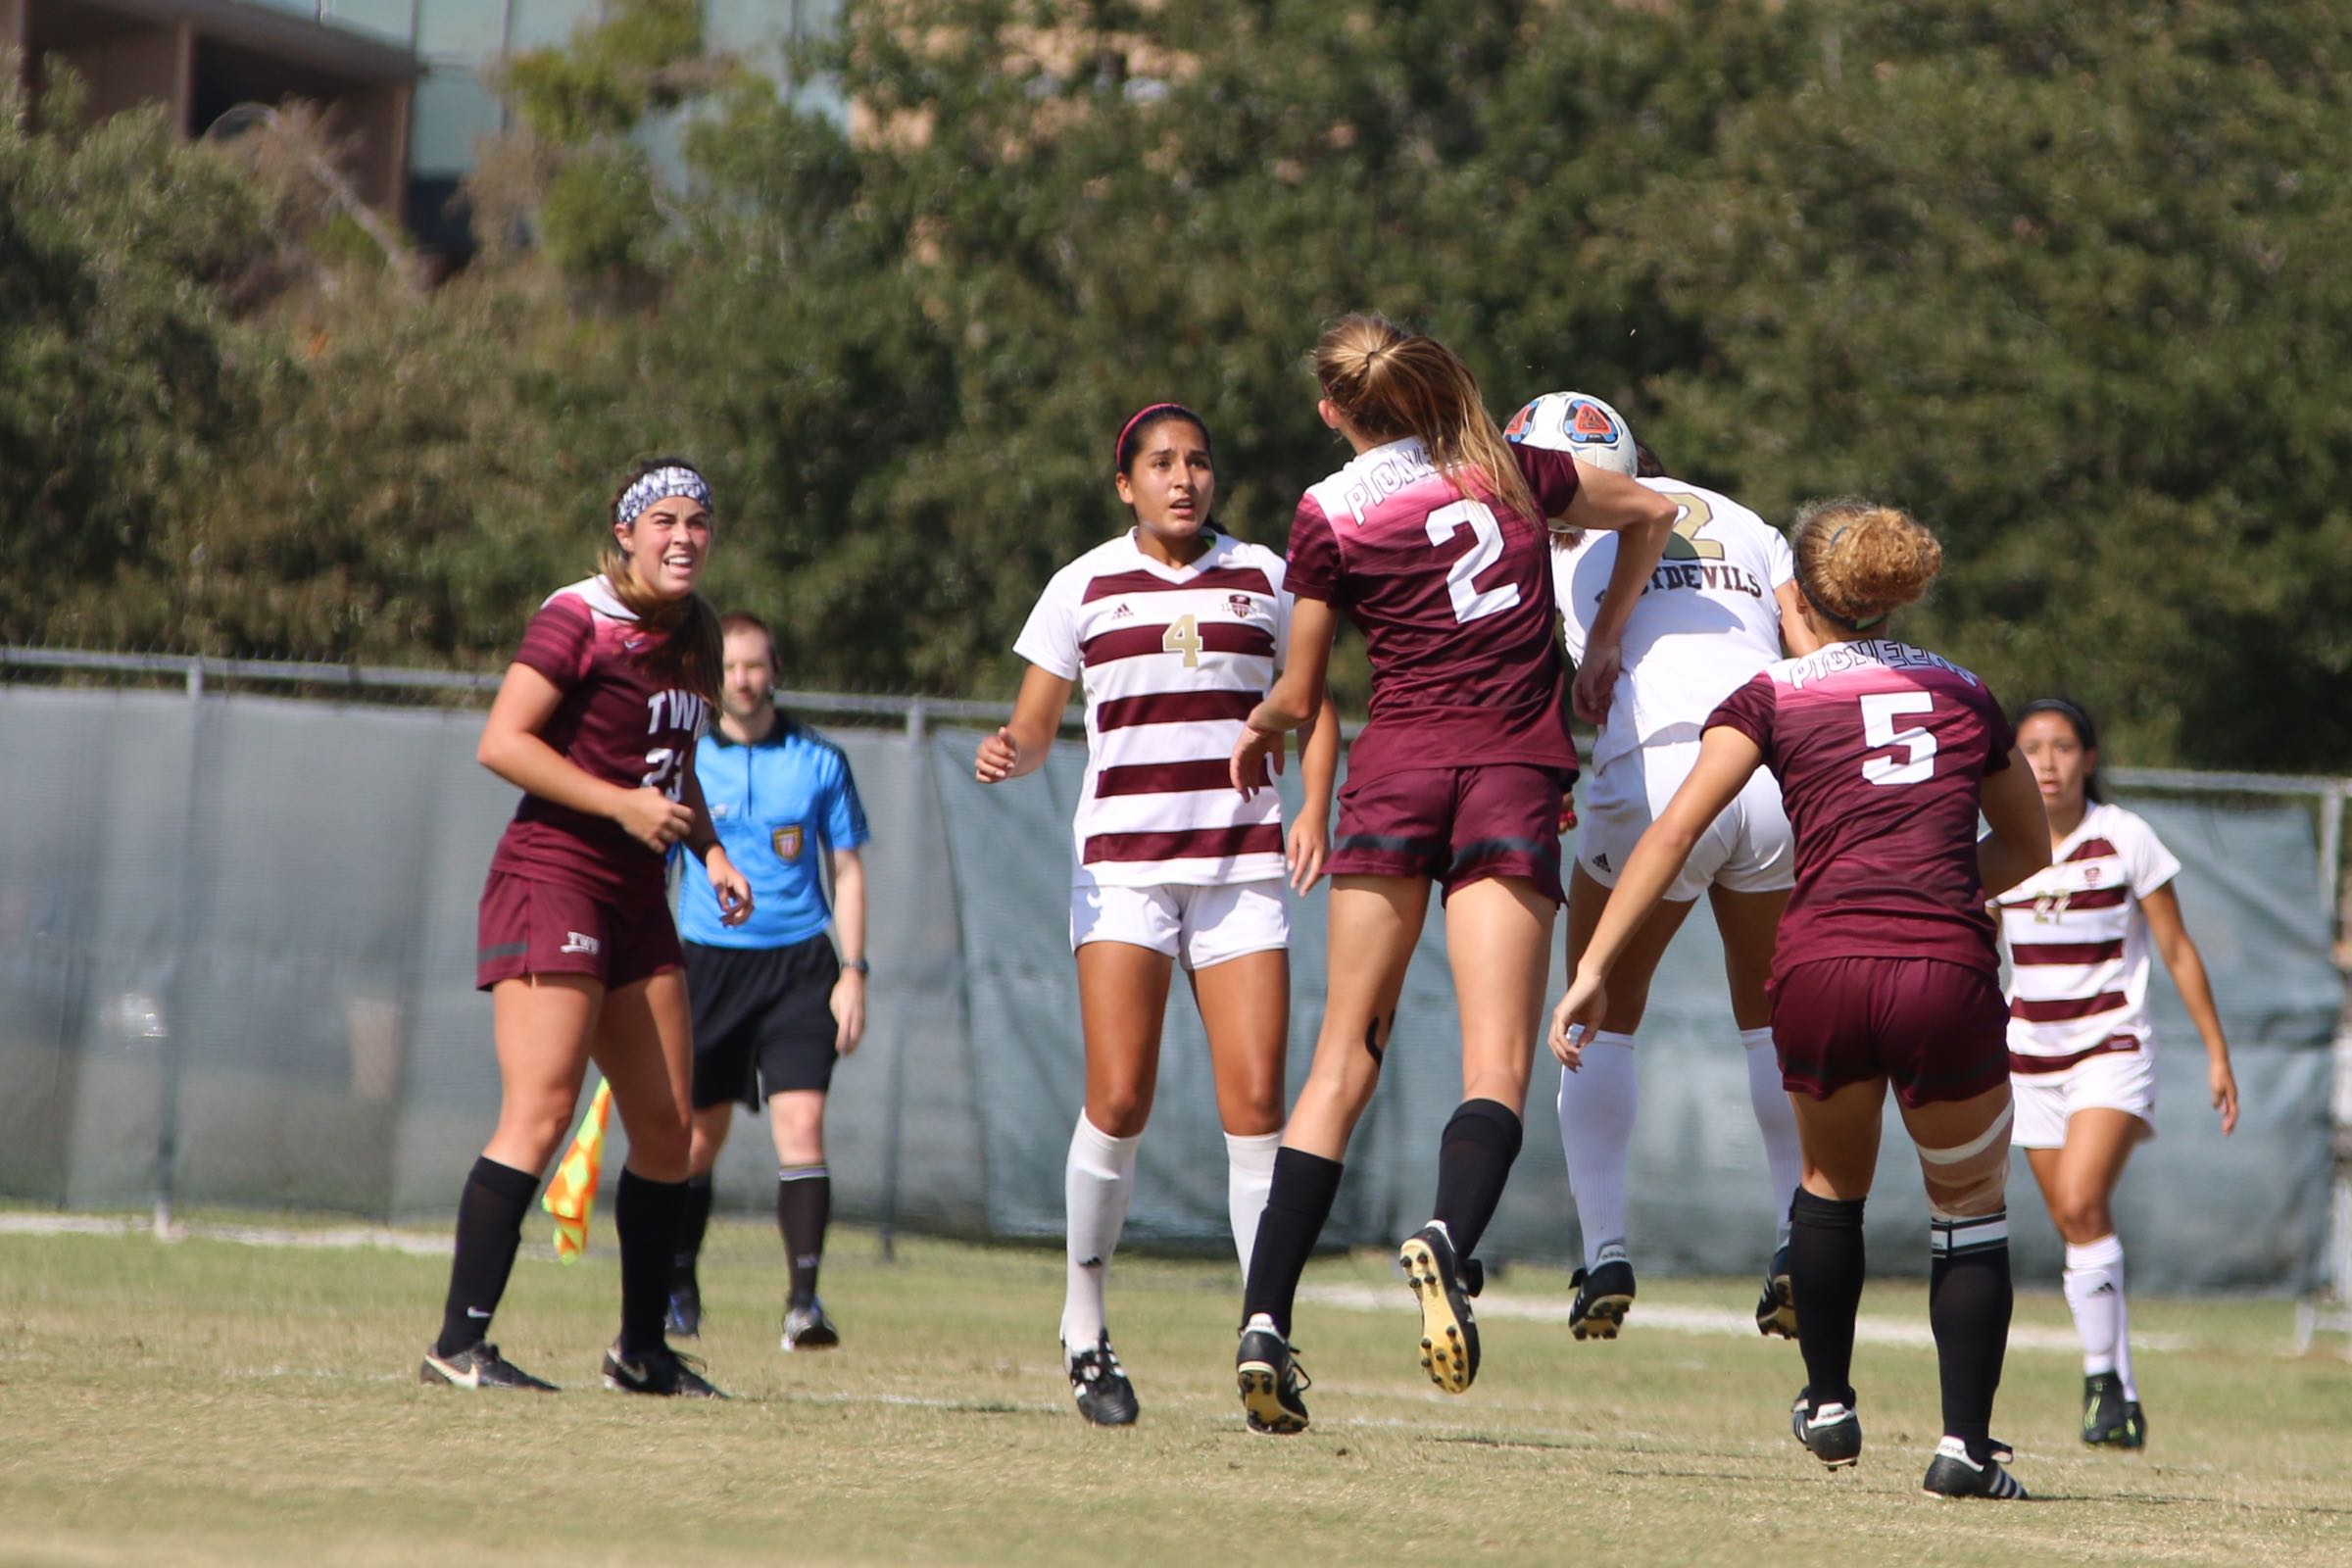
(332, 1238)
(1707, 1320)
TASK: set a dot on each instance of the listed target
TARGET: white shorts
(1199, 925)
(2116, 1080)
(1748, 849)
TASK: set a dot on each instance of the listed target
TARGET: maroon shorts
(1933, 1030)
(532, 927)
(1457, 824)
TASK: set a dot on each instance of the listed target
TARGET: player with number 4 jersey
(1885, 974)
(1435, 539)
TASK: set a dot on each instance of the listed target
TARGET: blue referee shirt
(780, 805)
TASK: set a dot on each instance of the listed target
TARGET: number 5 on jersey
(1879, 713)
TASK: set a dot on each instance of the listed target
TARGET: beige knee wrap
(1972, 1179)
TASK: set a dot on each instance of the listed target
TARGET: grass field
(214, 1402)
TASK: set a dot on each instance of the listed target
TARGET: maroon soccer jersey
(1880, 750)
(1454, 597)
(617, 722)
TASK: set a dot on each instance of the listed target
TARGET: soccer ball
(1583, 426)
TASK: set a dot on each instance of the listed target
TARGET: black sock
(646, 1212)
(1825, 1274)
(694, 1220)
(490, 1212)
(803, 1206)
(1474, 1160)
(1969, 1301)
(1297, 1207)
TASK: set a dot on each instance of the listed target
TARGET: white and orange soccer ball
(1579, 424)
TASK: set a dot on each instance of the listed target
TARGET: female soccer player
(2082, 1055)
(1434, 541)
(1176, 629)
(596, 723)
(1884, 972)
(1721, 606)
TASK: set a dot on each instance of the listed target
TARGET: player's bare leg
(1244, 1009)
(1750, 924)
(2077, 1184)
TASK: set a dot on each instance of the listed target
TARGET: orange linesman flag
(571, 1196)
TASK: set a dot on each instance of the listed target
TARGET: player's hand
(1577, 1020)
(849, 1011)
(2224, 1084)
(999, 754)
(1256, 757)
(653, 818)
(1595, 680)
(734, 890)
(1567, 812)
(1309, 847)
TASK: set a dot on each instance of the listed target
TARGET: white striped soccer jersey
(1171, 659)
(2077, 943)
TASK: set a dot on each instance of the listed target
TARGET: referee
(774, 1006)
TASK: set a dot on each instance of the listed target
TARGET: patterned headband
(660, 486)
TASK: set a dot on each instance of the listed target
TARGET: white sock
(1776, 1119)
(2094, 1289)
(1095, 1187)
(1249, 1177)
(1596, 1134)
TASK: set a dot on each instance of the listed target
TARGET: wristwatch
(857, 966)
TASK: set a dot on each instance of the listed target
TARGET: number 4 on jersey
(1184, 637)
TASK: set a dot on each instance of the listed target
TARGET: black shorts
(762, 1019)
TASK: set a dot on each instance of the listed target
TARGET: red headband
(1118, 448)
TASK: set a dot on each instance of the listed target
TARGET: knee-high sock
(803, 1207)
(1824, 1270)
(1596, 1135)
(1248, 1173)
(1474, 1160)
(1298, 1203)
(2094, 1289)
(490, 1212)
(1097, 1185)
(1776, 1119)
(1969, 1301)
(694, 1223)
(646, 1213)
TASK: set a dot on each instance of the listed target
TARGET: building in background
(408, 78)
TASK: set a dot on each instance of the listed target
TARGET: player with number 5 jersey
(1885, 974)
(1435, 539)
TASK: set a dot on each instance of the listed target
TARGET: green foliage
(598, 220)
(613, 74)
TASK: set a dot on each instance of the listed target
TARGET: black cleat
(1603, 1295)
(685, 1318)
(1444, 1288)
(478, 1366)
(1953, 1474)
(1100, 1384)
(1271, 1380)
(808, 1328)
(1775, 1309)
(662, 1371)
(1829, 1431)
(2108, 1418)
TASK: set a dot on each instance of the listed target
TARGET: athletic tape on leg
(1970, 1181)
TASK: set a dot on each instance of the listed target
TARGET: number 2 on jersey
(1469, 602)
(1685, 543)
(1878, 710)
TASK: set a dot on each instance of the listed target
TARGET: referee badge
(787, 841)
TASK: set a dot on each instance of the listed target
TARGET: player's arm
(1297, 697)
(1796, 634)
(1318, 767)
(1642, 520)
(1023, 743)
(1726, 758)
(849, 936)
(2187, 966)
(731, 886)
(2018, 844)
(512, 748)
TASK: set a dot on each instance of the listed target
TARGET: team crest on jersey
(1240, 604)
(786, 842)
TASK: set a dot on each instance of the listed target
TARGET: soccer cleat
(1444, 1288)
(1953, 1474)
(662, 1371)
(685, 1317)
(1100, 1384)
(807, 1328)
(2108, 1418)
(1775, 1309)
(1603, 1296)
(1271, 1380)
(1829, 1431)
(478, 1366)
